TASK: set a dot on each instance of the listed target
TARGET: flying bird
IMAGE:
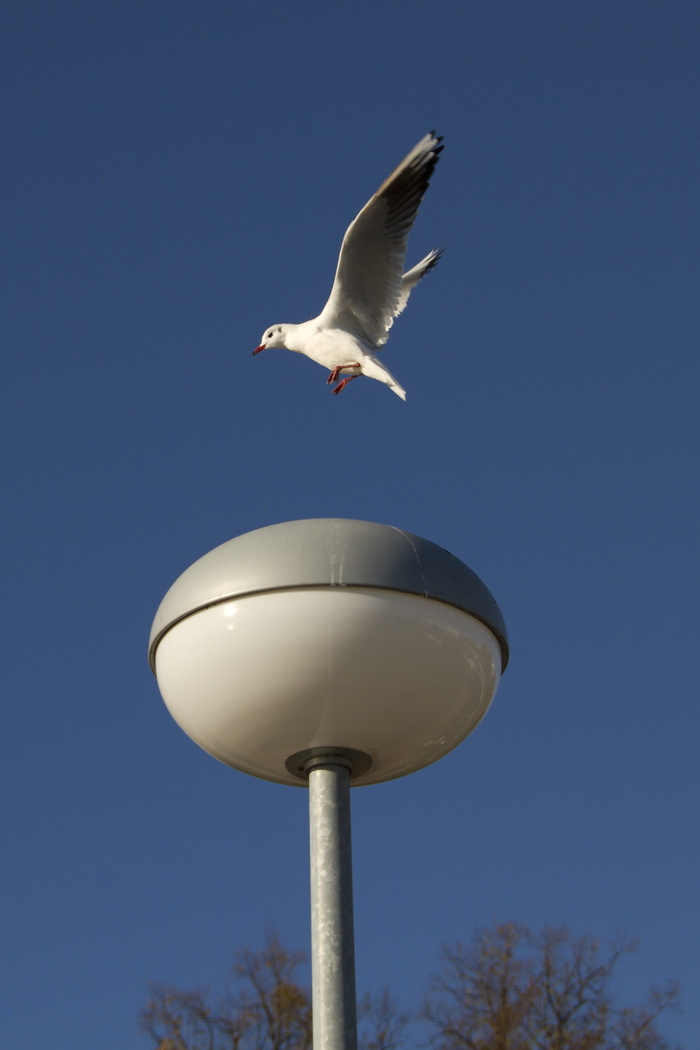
(370, 289)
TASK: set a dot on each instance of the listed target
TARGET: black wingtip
(439, 138)
(437, 256)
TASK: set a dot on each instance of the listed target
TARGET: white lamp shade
(402, 678)
(256, 678)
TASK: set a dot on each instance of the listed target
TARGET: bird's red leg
(339, 387)
(336, 372)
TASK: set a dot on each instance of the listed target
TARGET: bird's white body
(370, 289)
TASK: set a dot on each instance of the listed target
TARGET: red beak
(258, 349)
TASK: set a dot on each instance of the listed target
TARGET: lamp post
(325, 653)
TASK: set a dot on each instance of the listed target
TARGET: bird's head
(272, 339)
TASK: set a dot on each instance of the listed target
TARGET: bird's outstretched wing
(369, 290)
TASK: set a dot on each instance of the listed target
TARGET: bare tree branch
(511, 990)
(506, 990)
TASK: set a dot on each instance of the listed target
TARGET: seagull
(370, 290)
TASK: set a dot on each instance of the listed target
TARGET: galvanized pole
(332, 935)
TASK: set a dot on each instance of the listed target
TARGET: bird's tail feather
(375, 370)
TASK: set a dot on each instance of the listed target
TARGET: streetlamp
(322, 653)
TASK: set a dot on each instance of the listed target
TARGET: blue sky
(178, 176)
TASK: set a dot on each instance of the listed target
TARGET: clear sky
(177, 177)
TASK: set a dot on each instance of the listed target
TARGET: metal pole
(332, 936)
